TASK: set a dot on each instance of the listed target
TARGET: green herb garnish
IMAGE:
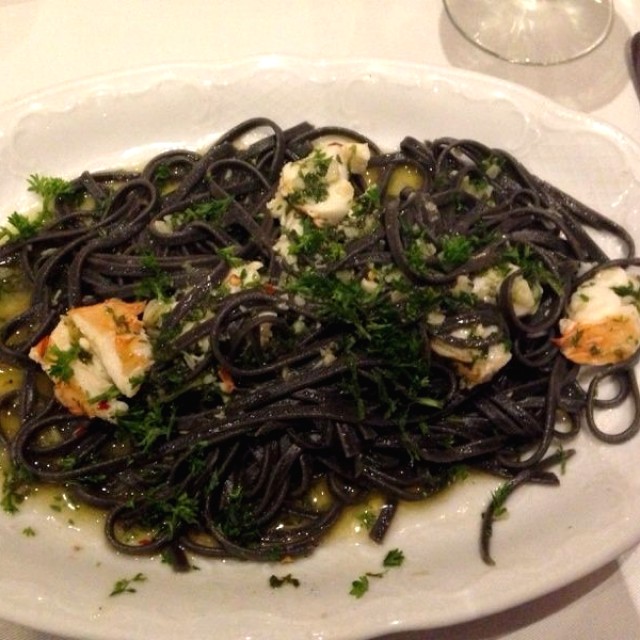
(313, 173)
(175, 512)
(533, 269)
(367, 518)
(276, 582)
(60, 368)
(124, 585)
(360, 586)
(367, 202)
(145, 425)
(456, 250)
(236, 519)
(16, 486)
(156, 283)
(394, 558)
(49, 188)
(22, 226)
(110, 394)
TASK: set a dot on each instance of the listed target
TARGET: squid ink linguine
(313, 317)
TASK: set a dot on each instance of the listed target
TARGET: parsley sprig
(23, 226)
(125, 585)
(49, 188)
(61, 368)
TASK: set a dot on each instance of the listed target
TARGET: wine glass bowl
(536, 32)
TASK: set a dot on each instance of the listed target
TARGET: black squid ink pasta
(301, 365)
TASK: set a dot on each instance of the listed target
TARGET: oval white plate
(60, 579)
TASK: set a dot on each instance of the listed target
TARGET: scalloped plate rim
(73, 92)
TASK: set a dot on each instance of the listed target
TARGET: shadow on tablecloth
(598, 607)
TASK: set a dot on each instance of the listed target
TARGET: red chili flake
(270, 288)
(103, 405)
(80, 430)
(228, 385)
(42, 346)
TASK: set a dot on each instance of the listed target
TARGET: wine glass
(533, 31)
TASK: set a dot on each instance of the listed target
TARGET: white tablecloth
(46, 42)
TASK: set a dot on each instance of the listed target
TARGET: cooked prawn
(95, 354)
(603, 322)
(597, 343)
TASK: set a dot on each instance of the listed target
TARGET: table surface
(46, 42)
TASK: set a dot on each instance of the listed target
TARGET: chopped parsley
(57, 503)
(310, 241)
(456, 250)
(367, 518)
(236, 519)
(162, 173)
(378, 328)
(360, 586)
(533, 269)
(125, 585)
(60, 368)
(145, 424)
(176, 512)
(16, 486)
(229, 255)
(313, 173)
(276, 582)
(628, 290)
(367, 202)
(211, 211)
(394, 558)
(321, 242)
(110, 394)
(156, 283)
